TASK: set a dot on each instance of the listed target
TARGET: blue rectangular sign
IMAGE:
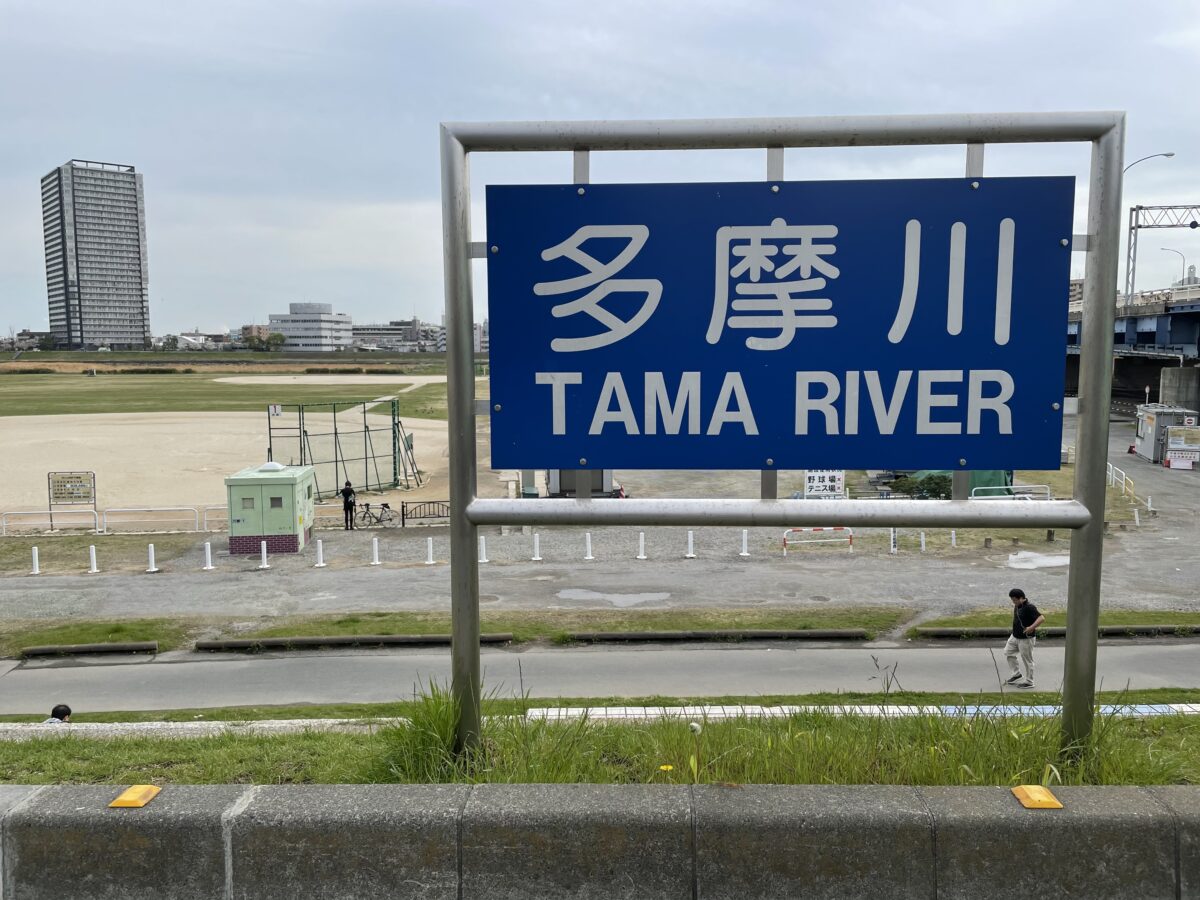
(917, 324)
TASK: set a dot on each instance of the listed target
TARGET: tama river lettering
(829, 403)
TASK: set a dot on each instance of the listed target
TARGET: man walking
(348, 506)
(1026, 619)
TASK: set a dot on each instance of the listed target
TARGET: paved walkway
(188, 680)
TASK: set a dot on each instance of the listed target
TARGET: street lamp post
(1183, 265)
(1168, 155)
(1129, 238)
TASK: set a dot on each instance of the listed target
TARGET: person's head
(347, 484)
(62, 712)
(1017, 596)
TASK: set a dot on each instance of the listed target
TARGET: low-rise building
(313, 327)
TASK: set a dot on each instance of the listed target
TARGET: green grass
(495, 705)
(67, 554)
(809, 748)
(169, 633)
(42, 395)
(554, 625)
(992, 618)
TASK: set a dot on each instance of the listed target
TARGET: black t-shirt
(347, 496)
(1024, 616)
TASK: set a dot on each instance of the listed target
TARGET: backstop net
(360, 441)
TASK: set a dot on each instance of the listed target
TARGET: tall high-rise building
(97, 280)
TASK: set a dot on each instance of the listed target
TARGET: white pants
(1024, 649)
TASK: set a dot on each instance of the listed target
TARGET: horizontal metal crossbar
(1166, 216)
(866, 513)
(816, 131)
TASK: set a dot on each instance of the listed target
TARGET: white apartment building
(97, 278)
(313, 327)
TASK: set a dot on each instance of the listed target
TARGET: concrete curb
(73, 649)
(722, 634)
(1058, 631)
(584, 841)
(343, 640)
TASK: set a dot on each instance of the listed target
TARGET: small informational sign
(72, 488)
(824, 484)
(1189, 420)
(1183, 437)
(275, 409)
(884, 324)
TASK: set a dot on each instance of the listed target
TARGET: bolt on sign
(71, 488)
(849, 324)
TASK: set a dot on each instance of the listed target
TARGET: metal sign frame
(90, 477)
(1084, 515)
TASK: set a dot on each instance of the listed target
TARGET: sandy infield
(165, 459)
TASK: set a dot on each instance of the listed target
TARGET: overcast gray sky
(290, 149)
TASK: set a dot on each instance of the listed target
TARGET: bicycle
(384, 516)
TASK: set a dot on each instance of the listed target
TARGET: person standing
(348, 505)
(1026, 620)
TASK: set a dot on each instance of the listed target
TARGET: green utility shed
(272, 503)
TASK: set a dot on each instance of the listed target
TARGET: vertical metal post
(768, 479)
(1095, 386)
(1131, 255)
(460, 402)
(960, 481)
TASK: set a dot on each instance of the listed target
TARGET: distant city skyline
(293, 149)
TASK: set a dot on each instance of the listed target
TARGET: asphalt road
(183, 680)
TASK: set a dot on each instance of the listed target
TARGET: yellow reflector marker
(136, 797)
(1034, 796)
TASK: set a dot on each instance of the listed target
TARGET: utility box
(1153, 420)
(273, 503)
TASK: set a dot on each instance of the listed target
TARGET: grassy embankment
(42, 395)
(808, 748)
(549, 626)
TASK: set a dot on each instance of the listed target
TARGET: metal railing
(424, 509)
(45, 516)
(123, 510)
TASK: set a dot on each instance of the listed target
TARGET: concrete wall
(652, 841)
(1180, 386)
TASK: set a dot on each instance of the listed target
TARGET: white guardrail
(44, 516)
(119, 512)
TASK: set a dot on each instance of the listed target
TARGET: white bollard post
(429, 551)
(1150, 506)
(537, 548)
(263, 549)
(922, 542)
(320, 564)
(151, 567)
(745, 542)
(375, 551)
(641, 545)
(587, 546)
(483, 549)
(208, 566)
(36, 568)
(691, 554)
(894, 548)
(92, 570)
(1137, 519)
(953, 538)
